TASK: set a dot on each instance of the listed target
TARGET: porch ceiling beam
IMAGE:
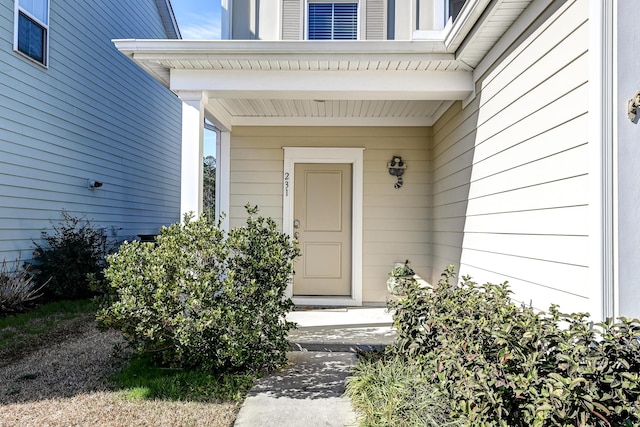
(365, 85)
(218, 115)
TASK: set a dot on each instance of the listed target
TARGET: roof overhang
(297, 83)
(401, 83)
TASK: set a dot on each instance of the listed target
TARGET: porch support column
(192, 152)
(223, 177)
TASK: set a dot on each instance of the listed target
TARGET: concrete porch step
(341, 329)
(342, 338)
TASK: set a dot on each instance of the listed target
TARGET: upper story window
(31, 33)
(454, 8)
(332, 21)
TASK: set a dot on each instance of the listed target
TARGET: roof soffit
(276, 82)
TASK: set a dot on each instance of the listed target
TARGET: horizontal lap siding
(510, 181)
(91, 114)
(396, 221)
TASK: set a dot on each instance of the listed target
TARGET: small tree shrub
(71, 258)
(18, 289)
(503, 364)
(200, 298)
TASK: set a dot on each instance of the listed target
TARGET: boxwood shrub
(504, 364)
(202, 298)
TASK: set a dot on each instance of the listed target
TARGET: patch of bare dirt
(65, 330)
(65, 384)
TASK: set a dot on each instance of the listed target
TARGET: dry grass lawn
(64, 383)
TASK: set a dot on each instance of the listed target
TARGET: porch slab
(309, 390)
(341, 329)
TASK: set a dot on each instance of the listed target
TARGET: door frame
(355, 157)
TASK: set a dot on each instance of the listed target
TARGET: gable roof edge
(168, 19)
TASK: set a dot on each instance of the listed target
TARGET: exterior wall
(284, 19)
(396, 222)
(379, 19)
(628, 158)
(510, 183)
(91, 114)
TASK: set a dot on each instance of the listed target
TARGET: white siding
(91, 114)
(396, 221)
(510, 170)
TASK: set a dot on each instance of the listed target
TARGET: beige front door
(322, 224)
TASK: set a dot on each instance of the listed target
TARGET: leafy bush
(70, 258)
(501, 364)
(17, 287)
(200, 298)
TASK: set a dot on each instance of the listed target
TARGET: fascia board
(246, 48)
(464, 23)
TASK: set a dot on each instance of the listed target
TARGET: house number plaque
(286, 184)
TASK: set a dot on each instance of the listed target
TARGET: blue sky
(199, 20)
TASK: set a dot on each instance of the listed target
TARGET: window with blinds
(31, 31)
(333, 21)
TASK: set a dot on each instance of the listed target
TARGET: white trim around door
(355, 157)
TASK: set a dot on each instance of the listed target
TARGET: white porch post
(223, 176)
(192, 152)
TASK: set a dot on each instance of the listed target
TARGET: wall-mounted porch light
(396, 168)
(632, 107)
(93, 184)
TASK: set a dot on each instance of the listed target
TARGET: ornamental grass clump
(202, 298)
(18, 288)
(504, 364)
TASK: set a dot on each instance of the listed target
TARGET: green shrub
(70, 259)
(200, 298)
(503, 364)
(18, 289)
(385, 391)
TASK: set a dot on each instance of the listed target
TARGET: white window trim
(360, 15)
(45, 25)
(354, 156)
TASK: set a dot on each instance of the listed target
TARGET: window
(454, 8)
(333, 21)
(32, 29)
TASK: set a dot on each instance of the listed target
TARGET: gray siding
(91, 114)
(511, 194)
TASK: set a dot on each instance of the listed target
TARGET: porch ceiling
(389, 83)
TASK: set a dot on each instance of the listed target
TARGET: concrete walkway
(309, 391)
